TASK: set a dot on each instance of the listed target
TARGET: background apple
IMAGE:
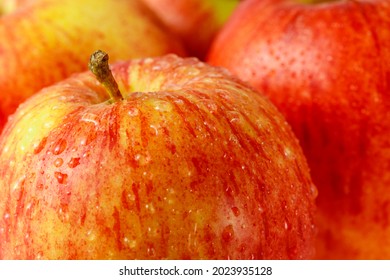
(327, 68)
(44, 41)
(195, 21)
(186, 162)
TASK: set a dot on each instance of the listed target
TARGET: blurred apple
(182, 162)
(327, 68)
(195, 21)
(47, 40)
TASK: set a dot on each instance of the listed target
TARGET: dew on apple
(39, 255)
(162, 105)
(91, 236)
(154, 129)
(313, 190)
(233, 138)
(148, 60)
(228, 233)
(38, 147)
(6, 149)
(287, 152)
(150, 208)
(151, 251)
(142, 158)
(7, 216)
(90, 118)
(189, 71)
(49, 123)
(286, 225)
(60, 147)
(18, 184)
(128, 243)
(73, 162)
(236, 211)
(58, 162)
(63, 214)
(133, 112)
(61, 177)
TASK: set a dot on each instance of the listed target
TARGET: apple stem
(98, 65)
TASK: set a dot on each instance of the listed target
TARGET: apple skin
(42, 43)
(326, 67)
(195, 21)
(191, 164)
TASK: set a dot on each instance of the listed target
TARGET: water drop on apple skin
(73, 162)
(59, 147)
(61, 177)
(228, 233)
(58, 162)
(236, 211)
(38, 148)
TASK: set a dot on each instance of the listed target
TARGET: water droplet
(233, 138)
(150, 208)
(38, 147)
(162, 106)
(90, 118)
(58, 162)
(233, 116)
(287, 152)
(91, 236)
(73, 162)
(148, 60)
(229, 191)
(17, 188)
(133, 112)
(154, 129)
(61, 177)
(313, 190)
(190, 71)
(286, 225)
(142, 159)
(151, 251)
(63, 214)
(26, 237)
(59, 147)
(236, 211)
(39, 255)
(228, 233)
(49, 123)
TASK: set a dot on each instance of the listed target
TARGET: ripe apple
(195, 21)
(327, 68)
(44, 41)
(183, 161)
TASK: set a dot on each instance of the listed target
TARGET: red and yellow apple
(44, 41)
(183, 161)
(195, 21)
(326, 67)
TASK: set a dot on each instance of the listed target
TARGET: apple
(165, 158)
(44, 41)
(195, 21)
(326, 67)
